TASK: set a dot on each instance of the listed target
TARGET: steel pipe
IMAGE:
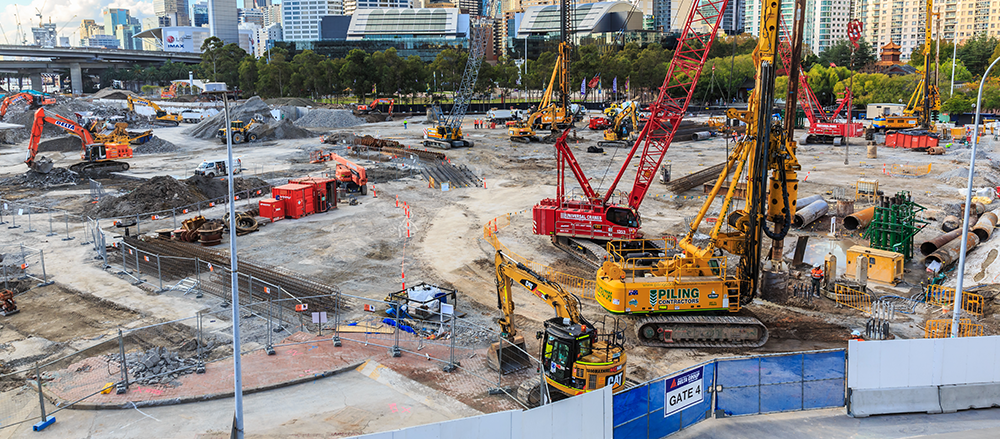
(806, 215)
(931, 245)
(859, 220)
(984, 227)
(952, 222)
(701, 135)
(951, 252)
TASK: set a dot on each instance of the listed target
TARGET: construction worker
(817, 278)
(856, 335)
(404, 124)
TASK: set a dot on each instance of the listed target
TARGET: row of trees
(727, 75)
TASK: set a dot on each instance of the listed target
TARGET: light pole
(237, 368)
(968, 201)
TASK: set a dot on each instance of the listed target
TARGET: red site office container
(324, 191)
(298, 199)
(272, 209)
(908, 140)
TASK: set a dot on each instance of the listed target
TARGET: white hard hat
(816, 266)
(856, 333)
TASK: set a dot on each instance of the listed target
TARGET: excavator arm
(509, 271)
(13, 99)
(42, 164)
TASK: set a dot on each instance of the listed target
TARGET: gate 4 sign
(683, 391)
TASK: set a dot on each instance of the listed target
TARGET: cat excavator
(161, 117)
(678, 289)
(97, 157)
(625, 128)
(576, 358)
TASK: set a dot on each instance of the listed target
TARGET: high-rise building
(300, 18)
(251, 16)
(222, 20)
(825, 21)
(101, 40)
(45, 35)
(113, 18)
(257, 4)
(662, 15)
(199, 14)
(272, 15)
(903, 22)
(176, 10)
(352, 5)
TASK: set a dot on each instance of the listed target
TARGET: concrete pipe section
(952, 222)
(949, 253)
(805, 201)
(984, 227)
(931, 245)
(806, 215)
(701, 135)
(859, 220)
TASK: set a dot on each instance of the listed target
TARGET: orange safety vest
(817, 273)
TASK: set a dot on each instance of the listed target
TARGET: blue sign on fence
(683, 391)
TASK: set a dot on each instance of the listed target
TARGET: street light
(968, 201)
(237, 370)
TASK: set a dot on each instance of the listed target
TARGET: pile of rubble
(283, 130)
(208, 128)
(213, 188)
(32, 179)
(112, 93)
(155, 145)
(158, 365)
(25, 117)
(324, 118)
(160, 193)
(61, 144)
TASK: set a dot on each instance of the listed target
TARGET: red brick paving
(312, 358)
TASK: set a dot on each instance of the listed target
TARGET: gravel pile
(324, 118)
(158, 366)
(61, 144)
(32, 179)
(111, 93)
(212, 188)
(155, 145)
(294, 102)
(283, 130)
(207, 129)
(156, 194)
(27, 118)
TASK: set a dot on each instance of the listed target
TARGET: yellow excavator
(679, 289)
(576, 358)
(625, 127)
(551, 114)
(161, 117)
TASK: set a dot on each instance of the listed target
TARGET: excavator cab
(624, 217)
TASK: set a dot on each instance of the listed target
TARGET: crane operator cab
(577, 359)
(624, 217)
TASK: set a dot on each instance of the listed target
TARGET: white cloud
(62, 13)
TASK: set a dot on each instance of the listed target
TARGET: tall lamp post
(968, 201)
(237, 368)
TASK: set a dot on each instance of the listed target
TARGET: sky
(66, 14)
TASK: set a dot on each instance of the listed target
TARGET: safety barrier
(583, 288)
(942, 328)
(939, 295)
(852, 298)
(731, 387)
(909, 170)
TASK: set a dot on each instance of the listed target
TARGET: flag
(583, 86)
(596, 80)
(626, 84)
(614, 85)
(374, 89)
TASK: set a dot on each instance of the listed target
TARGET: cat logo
(529, 284)
(614, 380)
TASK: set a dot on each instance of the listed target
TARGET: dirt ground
(363, 248)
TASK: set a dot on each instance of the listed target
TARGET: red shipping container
(910, 140)
(297, 198)
(324, 191)
(272, 209)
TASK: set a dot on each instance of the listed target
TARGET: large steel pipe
(984, 227)
(952, 222)
(805, 201)
(931, 245)
(949, 253)
(806, 215)
(858, 220)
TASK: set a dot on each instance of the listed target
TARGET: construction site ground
(362, 250)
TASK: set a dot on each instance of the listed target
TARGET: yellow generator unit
(882, 266)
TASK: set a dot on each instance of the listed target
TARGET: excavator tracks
(669, 331)
(584, 250)
(92, 168)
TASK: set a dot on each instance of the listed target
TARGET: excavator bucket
(41, 165)
(512, 358)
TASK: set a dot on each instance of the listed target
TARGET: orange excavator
(97, 157)
(30, 99)
(373, 107)
(169, 93)
(350, 175)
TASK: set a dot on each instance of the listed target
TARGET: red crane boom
(598, 218)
